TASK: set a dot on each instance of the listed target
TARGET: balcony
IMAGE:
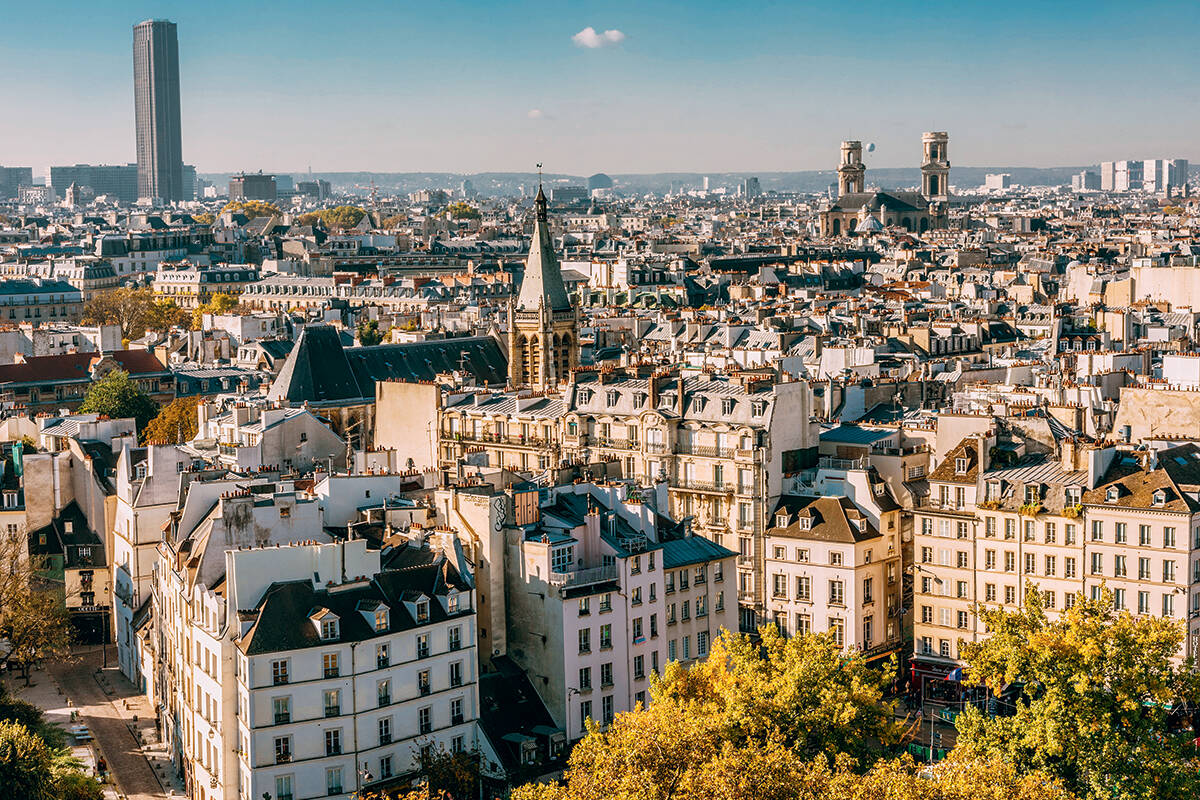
(707, 451)
(828, 462)
(583, 577)
(486, 437)
(614, 444)
(283, 717)
(333, 711)
(722, 487)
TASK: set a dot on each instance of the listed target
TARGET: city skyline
(614, 88)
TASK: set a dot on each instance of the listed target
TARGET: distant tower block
(935, 167)
(851, 172)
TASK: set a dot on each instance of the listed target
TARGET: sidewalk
(45, 693)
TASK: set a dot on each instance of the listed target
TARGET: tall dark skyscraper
(156, 106)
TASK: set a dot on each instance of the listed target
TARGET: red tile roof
(76, 366)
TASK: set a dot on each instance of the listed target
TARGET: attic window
(1112, 494)
(329, 629)
(140, 471)
(612, 397)
(452, 602)
(381, 619)
(727, 406)
(781, 519)
(960, 466)
(805, 523)
(992, 491)
(1033, 492)
(639, 400)
(758, 408)
(1160, 497)
(422, 611)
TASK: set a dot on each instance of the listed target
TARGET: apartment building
(832, 570)
(603, 590)
(1002, 520)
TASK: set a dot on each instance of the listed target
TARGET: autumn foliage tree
(338, 218)
(33, 621)
(794, 719)
(134, 310)
(1095, 708)
(251, 208)
(118, 396)
(175, 423)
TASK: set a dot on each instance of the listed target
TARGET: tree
(175, 423)
(25, 772)
(220, 303)
(452, 774)
(394, 221)
(369, 333)
(461, 210)
(118, 396)
(37, 628)
(251, 208)
(204, 218)
(803, 691)
(1097, 688)
(165, 314)
(129, 308)
(338, 218)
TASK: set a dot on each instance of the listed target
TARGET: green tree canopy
(118, 396)
(251, 208)
(369, 333)
(25, 764)
(338, 218)
(1098, 686)
(130, 308)
(461, 210)
(175, 423)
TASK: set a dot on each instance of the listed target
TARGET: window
(1121, 533)
(282, 706)
(837, 627)
(1097, 563)
(989, 527)
(1168, 537)
(779, 584)
(962, 559)
(639, 666)
(456, 711)
(636, 596)
(585, 606)
(1010, 529)
(1119, 566)
(381, 619)
(1168, 572)
(1144, 569)
(385, 767)
(424, 686)
(1144, 535)
(1119, 599)
(637, 630)
(1051, 533)
(333, 702)
(606, 602)
(1051, 566)
(385, 730)
(1098, 530)
(382, 656)
(333, 742)
(1143, 602)
(961, 587)
(1069, 534)
(283, 787)
(456, 673)
(960, 466)
(687, 647)
(333, 780)
(989, 559)
(669, 582)
(422, 645)
(1068, 567)
(989, 592)
(867, 590)
(962, 620)
(1168, 604)
(606, 706)
(837, 592)
(585, 713)
(803, 624)
(606, 674)
(1030, 563)
(283, 749)
(455, 638)
(279, 672)
(606, 637)
(835, 559)
(425, 720)
(926, 555)
(585, 679)
(422, 611)
(329, 665)
(1010, 561)
(1010, 595)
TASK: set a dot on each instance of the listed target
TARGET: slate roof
(542, 283)
(833, 519)
(894, 200)
(692, 550)
(320, 369)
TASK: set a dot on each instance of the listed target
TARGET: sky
(720, 86)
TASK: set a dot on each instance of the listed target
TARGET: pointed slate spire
(542, 285)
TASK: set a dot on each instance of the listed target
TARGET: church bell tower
(851, 171)
(935, 167)
(543, 326)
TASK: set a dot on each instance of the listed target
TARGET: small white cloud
(590, 38)
(536, 113)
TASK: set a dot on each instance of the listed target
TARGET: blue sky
(464, 86)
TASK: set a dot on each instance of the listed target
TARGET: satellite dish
(871, 147)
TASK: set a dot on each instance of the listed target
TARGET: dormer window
(781, 519)
(452, 602)
(992, 491)
(805, 523)
(1160, 497)
(1074, 496)
(381, 619)
(612, 397)
(1113, 494)
(727, 406)
(423, 610)
(960, 466)
(1033, 493)
(140, 471)
(329, 629)
(639, 400)
(758, 408)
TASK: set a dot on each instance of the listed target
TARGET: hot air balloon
(871, 147)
